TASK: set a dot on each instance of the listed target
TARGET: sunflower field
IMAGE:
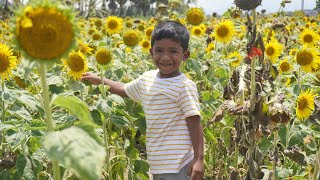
(257, 74)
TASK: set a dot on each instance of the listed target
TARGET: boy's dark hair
(171, 30)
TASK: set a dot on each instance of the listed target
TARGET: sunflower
(309, 37)
(307, 58)
(224, 31)
(103, 56)
(148, 31)
(98, 23)
(293, 52)
(145, 44)
(210, 47)
(236, 58)
(7, 61)
(114, 24)
(96, 36)
(305, 104)
(197, 31)
(84, 48)
(273, 50)
(131, 38)
(284, 66)
(45, 31)
(195, 16)
(76, 64)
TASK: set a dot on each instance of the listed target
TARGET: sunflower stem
(48, 113)
(3, 147)
(275, 155)
(103, 90)
(299, 80)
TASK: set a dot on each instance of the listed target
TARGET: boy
(174, 134)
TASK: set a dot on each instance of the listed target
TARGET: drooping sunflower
(7, 61)
(84, 48)
(146, 45)
(45, 30)
(103, 56)
(224, 31)
(285, 66)
(131, 38)
(236, 58)
(197, 31)
(273, 50)
(305, 104)
(308, 59)
(114, 24)
(76, 64)
(309, 37)
(195, 16)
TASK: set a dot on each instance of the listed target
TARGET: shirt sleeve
(189, 101)
(132, 89)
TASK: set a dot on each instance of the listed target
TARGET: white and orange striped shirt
(167, 102)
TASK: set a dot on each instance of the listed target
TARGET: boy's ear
(186, 55)
(150, 50)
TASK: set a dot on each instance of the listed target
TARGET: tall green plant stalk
(48, 112)
(275, 154)
(3, 115)
(106, 120)
(317, 166)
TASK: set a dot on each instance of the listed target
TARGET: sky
(221, 6)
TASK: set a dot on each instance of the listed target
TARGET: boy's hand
(197, 170)
(91, 77)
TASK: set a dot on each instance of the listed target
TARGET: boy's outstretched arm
(115, 87)
(196, 135)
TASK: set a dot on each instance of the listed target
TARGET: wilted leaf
(295, 154)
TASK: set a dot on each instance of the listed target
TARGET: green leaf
(75, 106)
(30, 101)
(75, 149)
(120, 121)
(24, 167)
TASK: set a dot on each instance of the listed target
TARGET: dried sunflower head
(247, 4)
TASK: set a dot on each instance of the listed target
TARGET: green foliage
(75, 149)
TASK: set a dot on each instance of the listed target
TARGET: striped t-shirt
(167, 102)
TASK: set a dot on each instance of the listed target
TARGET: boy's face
(167, 55)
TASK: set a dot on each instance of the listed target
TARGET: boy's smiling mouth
(166, 64)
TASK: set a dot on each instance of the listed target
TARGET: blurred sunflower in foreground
(45, 30)
(7, 61)
(305, 104)
(76, 64)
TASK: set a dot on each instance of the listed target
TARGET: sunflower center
(304, 57)
(48, 33)
(145, 44)
(285, 67)
(113, 24)
(197, 31)
(76, 63)
(223, 31)
(303, 103)
(308, 38)
(270, 51)
(4, 62)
